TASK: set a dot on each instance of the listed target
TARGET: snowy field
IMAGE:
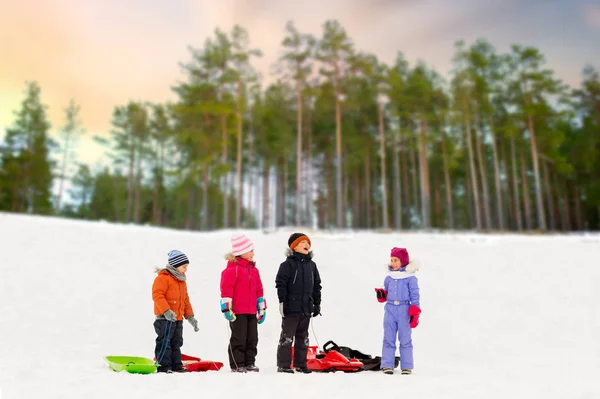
(504, 316)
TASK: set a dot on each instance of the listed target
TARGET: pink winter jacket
(241, 281)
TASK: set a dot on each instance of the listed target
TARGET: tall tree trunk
(309, 180)
(284, 190)
(447, 182)
(505, 183)
(238, 183)
(526, 202)
(475, 188)
(470, 203)
(280, 204)
(578, 210)
(552, 219)
(205, 182)
(15, 191)
(63, 171)
(189, 222)
(499, 203)
(331, 193)
(437, 200)
(482, 173)
(299, 152)
(515, 179)
(250, 176)
(536, 170)
(405, 179)
(564, 199)
(368, 188)
(130, 180)
(266, 196)
(338, 148)
(138, 189)
(424, 175)
(224, 182)
(414, 170)
(384, 214)
(397, 199)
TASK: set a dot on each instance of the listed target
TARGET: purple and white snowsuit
(402, 289)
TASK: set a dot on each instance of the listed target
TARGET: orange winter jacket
(170, 293)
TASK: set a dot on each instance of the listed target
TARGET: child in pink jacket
(242, 303)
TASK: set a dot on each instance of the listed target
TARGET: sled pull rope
(165, 344)
(312, 327)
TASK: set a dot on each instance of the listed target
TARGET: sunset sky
(103, 53)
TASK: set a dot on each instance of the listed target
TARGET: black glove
(317, 311)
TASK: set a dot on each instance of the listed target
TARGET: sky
(107, 53)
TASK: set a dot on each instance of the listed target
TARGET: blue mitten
(226, 306)
(261, 306)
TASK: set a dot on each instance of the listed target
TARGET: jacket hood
(232, 260)
(412, 267)
(289, 253)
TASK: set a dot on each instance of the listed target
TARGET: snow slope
(504, 316)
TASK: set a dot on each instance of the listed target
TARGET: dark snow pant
(168, 344)
(243, 341)
(293, 327)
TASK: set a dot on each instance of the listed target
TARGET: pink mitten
(414, 312)
(381, 294)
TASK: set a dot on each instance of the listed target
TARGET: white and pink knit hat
(240, 244)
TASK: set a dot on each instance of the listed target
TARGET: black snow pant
(168, 344)
(293, 328)
(243, 341)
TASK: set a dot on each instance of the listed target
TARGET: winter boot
(406, 371)
(285, 370)
(388, 370)
(252, 367)
(181, 370)
(304, 370)
(239, 370)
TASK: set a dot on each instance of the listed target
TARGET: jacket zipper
(295, 275)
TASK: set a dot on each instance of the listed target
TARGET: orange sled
(330, 360)
(196, 364)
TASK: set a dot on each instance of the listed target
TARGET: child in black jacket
(299, 290)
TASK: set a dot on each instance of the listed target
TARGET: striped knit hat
(177, 258)
(240, 244)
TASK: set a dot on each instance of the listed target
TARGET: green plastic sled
(131, 364)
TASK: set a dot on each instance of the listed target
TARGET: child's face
(248, 256)
(183, 268)
(303, 247)
(395, 263)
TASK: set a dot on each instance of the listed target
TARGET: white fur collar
(410, 270)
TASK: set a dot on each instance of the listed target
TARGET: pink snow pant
(396, 322)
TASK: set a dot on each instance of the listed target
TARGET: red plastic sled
(196, 364)
(330, 360)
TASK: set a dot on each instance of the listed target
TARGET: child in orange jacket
(171, 305)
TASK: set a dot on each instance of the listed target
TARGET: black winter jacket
(298, 284)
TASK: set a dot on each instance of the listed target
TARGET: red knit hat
(402, 254)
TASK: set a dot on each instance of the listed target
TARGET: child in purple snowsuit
(402, 309)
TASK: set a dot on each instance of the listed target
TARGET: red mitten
(414, 312)
(381, 294)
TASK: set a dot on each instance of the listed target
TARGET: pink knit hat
(240, 244)
(402, 254)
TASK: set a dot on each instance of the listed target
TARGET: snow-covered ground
(504, 316)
